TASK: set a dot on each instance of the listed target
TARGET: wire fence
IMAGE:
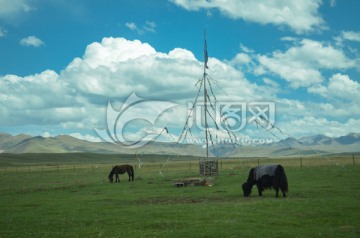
(189, 166)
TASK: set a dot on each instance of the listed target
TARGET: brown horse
(121, 169)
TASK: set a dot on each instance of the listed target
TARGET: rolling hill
(317, 144)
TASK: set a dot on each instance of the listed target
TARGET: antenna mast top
(205, 96)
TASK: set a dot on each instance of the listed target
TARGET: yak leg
(276, 186)
(277, 192)
(260, 189)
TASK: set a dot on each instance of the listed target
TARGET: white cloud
(347, 36)
(271, 83)
(38, 99)
(117, 67)
(300, 65)
(332, 3)
(319, 125)
(339, 86)
(301, 16)
(148, 26)
(2, 32)
(246, 49)
(31, 41)
(111, 70)
(241, 58)
(299, 118)
(46, 134)
(13, 8)
(114, 68)
(289, 38)
(351, 35)
(131, 25)
(86, 137)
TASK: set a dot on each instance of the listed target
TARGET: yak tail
(283, 179)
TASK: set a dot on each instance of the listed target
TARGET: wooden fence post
(353, 156)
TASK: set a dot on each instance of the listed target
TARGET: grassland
(40, 197)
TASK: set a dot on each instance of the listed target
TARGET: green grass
(323, 202)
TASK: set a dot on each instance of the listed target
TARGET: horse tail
(283, 180)
(111, 174)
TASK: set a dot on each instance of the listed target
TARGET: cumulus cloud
(300, 65)
(117, 67)
(301, 16)
(31, 41)
(38, 99)
(111, 70)
(339, 86)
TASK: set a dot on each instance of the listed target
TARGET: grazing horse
(266, 176)
(121, 169)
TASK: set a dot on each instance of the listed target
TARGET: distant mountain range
(309, 145)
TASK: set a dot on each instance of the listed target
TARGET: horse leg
(117, 178)
(131, 174)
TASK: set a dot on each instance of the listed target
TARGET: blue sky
(62, 61)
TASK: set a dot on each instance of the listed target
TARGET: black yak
(266, 176)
